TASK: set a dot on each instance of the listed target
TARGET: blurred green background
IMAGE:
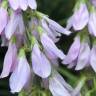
(58, 10)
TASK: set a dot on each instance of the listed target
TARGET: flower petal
(83, 58)
(42, 66)
(93, 58)
(73, 51)
(20, 76)
(49, 45)
(9, 60)
(81, 17)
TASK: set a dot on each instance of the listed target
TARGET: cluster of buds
(31, 37)
(82, 52)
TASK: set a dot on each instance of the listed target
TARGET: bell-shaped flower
(58, 86)
(92, 22)
(15, 24)
(21, 74)
(80, 17)
(40, 64)
(93, 57)
(9, 60)
(49, 45)
(73, 51)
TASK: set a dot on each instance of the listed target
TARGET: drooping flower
(73, 51)
(78, 54)
(3, 17)
(15, 24)
(42, 66)
(21, 74)
(92, 22)
(9, 60)
(59, 87)
(49, 45)
(80, 17)
(55, 27)
(83, 57)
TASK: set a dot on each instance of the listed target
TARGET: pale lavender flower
(93, 57)
(78, 54)
(58, 86)
(52, 33)
(55, 27)
(73, 51)
(23, 4)
(21, 74)
(40, 64)
(83, 57)
(15, 24)
(9, 60)
(49, 45)
(92, 22)
(3, 19)
(80, 17)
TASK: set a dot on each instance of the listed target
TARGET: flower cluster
(31, 47)
(82, 52)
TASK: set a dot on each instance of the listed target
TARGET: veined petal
(57, 27)
(83, 58)
(20, 76)
(93, 58)
(92, 23)
(80, 17)
(42, 66)
(49, 45)
(3, 19)
(9, 60)
(56, 87)
(12, 25)
(73, 51)
(50, 32)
